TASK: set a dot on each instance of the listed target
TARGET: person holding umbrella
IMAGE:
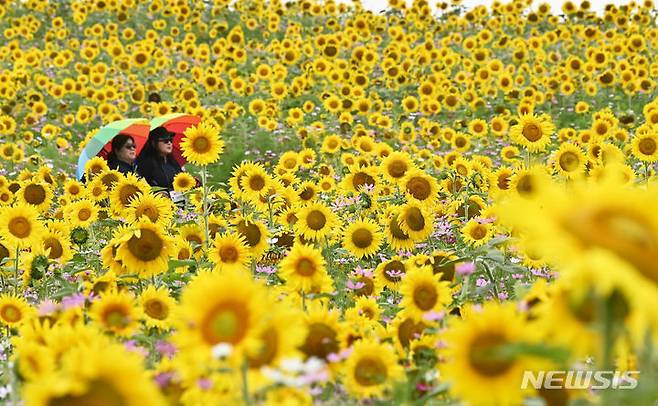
(156, 163)
(118, 142)
(123, 154)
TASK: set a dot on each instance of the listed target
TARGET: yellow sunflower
(20, 226)
(476, 355)
(57, 245)
(390, 272)
(81, 213)
(532, 132)
(125, 190)
(362, 238)
(230, 252)
(202, 144)
(95, 166)
(255, 234)
(569, 161)
(323, 329)
(255, 182)
(116, 312)
(420, 186)
(397, 238)
(315, 221)
(151, 207)
(95, 372)
(222, 308)
(371, 369)
(416, 221)
(476, 233)
(395, 166)
(645, 145)
(157, 307)
(281, 335)
(36, 194)
(14, 310)
(304, 269)
(184, 182)
(144, 249)
(423, 293)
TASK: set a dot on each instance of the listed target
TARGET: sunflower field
(428, 205)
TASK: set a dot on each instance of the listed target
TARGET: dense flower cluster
(409, 207)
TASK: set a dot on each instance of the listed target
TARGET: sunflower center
(445, 266)
(485, 355)
(367, 289)
(525, 186)
(397, 169)
(408, 330)
(419, 188)
(127, 193)
(396, 231)
(98, 392)
(56, 249)
(362, 238)
(20, 227)
(532, 132)
(226, 323)
(361, 178)
(116, 317)
(425, 296)
(34, 194)
(201, 145)
(414, 219)
(250, 232)
(584, 308)
(11, 313)
(305, 267)
(392, 269)
(256, 182)
(267, 351)
(626, 234)
(147, 247)
(503, 181)
(228, 254)
(155, 309)
(370, 371)
(320, 341)
(84, 214)
(307, 193)
(569, 161)
(4, 252)
(478, 232)
(647, 146)
(149, 211)
(316, 220)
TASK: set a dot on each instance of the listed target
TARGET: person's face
(127, 152)
(165, 145)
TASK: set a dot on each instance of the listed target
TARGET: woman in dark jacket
(156, 163)
(122, 157)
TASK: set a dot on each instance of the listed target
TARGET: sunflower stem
(16, 272)
(204, 182)
(491, 279)
(527, 158)
(245, 383)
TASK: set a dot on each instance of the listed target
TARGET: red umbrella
(176, 123)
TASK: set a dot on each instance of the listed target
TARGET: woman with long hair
(122, 157)
(155, 163)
